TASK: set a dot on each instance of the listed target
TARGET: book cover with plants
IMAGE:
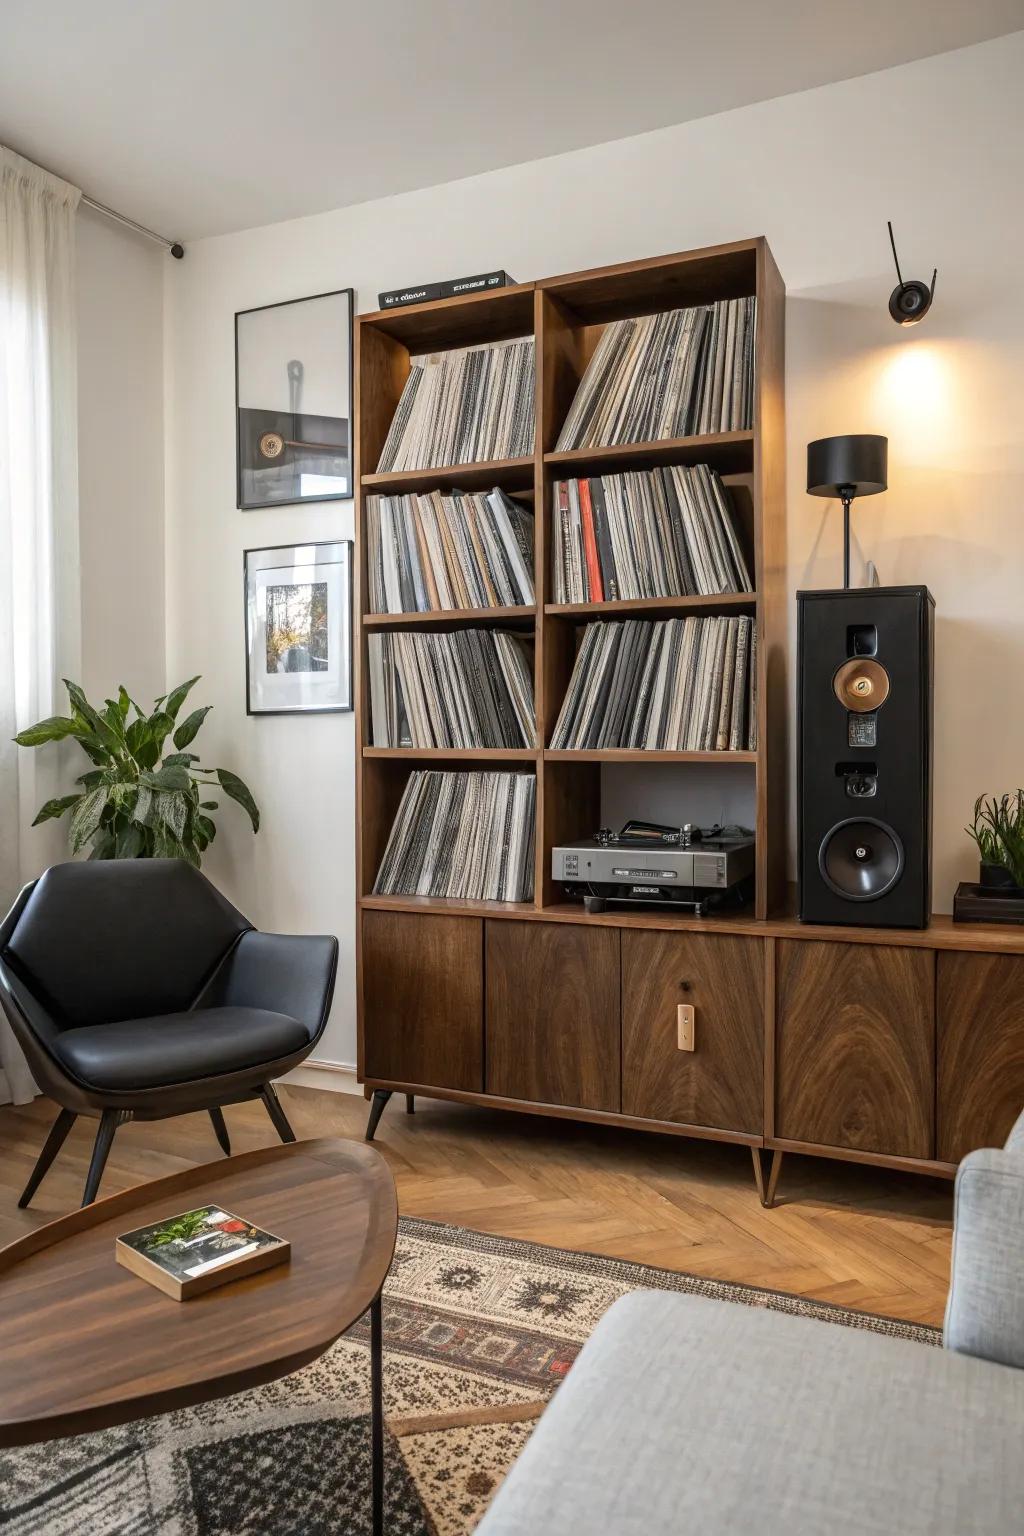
(195, 1243)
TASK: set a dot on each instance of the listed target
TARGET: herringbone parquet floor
(862, 1238)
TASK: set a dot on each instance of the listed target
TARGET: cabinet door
(423, 999)
(981, 1050)
(855, 1047)
(720, 1082)
(553, 1013)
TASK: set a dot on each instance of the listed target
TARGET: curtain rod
(175, 247)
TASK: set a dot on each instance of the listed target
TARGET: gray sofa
(686, 1415)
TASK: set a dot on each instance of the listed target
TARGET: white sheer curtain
(39, 585)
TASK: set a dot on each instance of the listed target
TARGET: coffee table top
(85, 1344)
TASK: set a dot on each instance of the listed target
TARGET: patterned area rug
(478, 1332)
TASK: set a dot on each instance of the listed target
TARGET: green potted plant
(135, 802)
(998, 831)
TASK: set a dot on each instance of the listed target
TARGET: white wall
(937, 146)
(120, 458)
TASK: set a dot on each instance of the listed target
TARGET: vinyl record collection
(679, 685)
(647, 533)
(435, 552)
(460, 688)
(464, 406)
(467, 835)
(674, 374)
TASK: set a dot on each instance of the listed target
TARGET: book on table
(194, 1251)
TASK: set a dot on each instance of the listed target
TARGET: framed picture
(293, 401)
(298, 629)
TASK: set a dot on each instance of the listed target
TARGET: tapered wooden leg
(109, 1122)
(410, 1103)
(767, 1168)
(377, 1106)
(275, 1109)
(221, 1130)
(51, 1146)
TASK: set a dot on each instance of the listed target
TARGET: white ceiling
(201, 116)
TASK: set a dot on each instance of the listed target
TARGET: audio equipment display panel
(864, 727)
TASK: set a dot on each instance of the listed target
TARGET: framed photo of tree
(298, 629)
(293, 401)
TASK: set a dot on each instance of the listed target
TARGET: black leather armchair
(137, 992)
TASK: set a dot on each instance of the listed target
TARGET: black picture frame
(291, 556)
(253, 425)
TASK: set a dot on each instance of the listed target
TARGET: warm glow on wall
(915, 396)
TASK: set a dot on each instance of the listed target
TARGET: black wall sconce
(909, 302)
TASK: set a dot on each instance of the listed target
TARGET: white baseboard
(335, 1076)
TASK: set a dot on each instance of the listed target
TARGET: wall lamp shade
(845, 467)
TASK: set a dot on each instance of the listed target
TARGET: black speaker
(864, 755)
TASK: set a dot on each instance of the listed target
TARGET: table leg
(377, 1415)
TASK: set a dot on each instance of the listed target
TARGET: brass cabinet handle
(686, 1019)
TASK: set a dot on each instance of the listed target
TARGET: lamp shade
(855, 464)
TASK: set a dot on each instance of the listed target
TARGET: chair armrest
(985, 1310)
(282, 972)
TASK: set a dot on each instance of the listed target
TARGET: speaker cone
(861, 684)
(861, 859)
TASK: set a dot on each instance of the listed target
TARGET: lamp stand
(847, 496)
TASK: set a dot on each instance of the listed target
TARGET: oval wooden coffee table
(85, 1344)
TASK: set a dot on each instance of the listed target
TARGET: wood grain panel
(423, 999)
(855, 1047)
(980, 1021)
(719, 1083)
(552, 1014)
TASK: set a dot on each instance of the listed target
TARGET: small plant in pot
(136, 802)
(998, 831)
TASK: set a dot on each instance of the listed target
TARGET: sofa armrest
(282, 972)
(985, 1310)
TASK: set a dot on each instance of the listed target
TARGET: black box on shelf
(456, 287)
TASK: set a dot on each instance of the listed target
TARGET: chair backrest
(119, 939)
(985, 1310)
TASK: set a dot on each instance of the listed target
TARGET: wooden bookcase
(802, 1047)
(566, 316)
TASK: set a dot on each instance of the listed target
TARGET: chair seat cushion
(177, 1047)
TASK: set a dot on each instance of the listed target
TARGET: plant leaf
(172, 810)
(176, 698)
(129, 843)
(124, 701)
(182, 759)
(173, 776)
(232, 785)
(86, 818)
(54, 808)
(53, 729)
(143, 804)
(103, 845)
(188, 729)
(208, 805)
(81, 707)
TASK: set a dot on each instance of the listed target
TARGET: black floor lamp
(847, 467)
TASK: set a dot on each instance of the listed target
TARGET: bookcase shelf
(641, 755)
(456, 754)
(654, 607)
(728, 452)
(451, 618)
(510, 474)
(566, 316)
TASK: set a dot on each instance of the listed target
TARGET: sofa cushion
(684, 1414)
(177, 1047)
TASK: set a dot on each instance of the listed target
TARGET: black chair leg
(410, 1103)
(377, 1106)
(221, 1130)
(268, 1093)
(51, 1146)
(109, 1122)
